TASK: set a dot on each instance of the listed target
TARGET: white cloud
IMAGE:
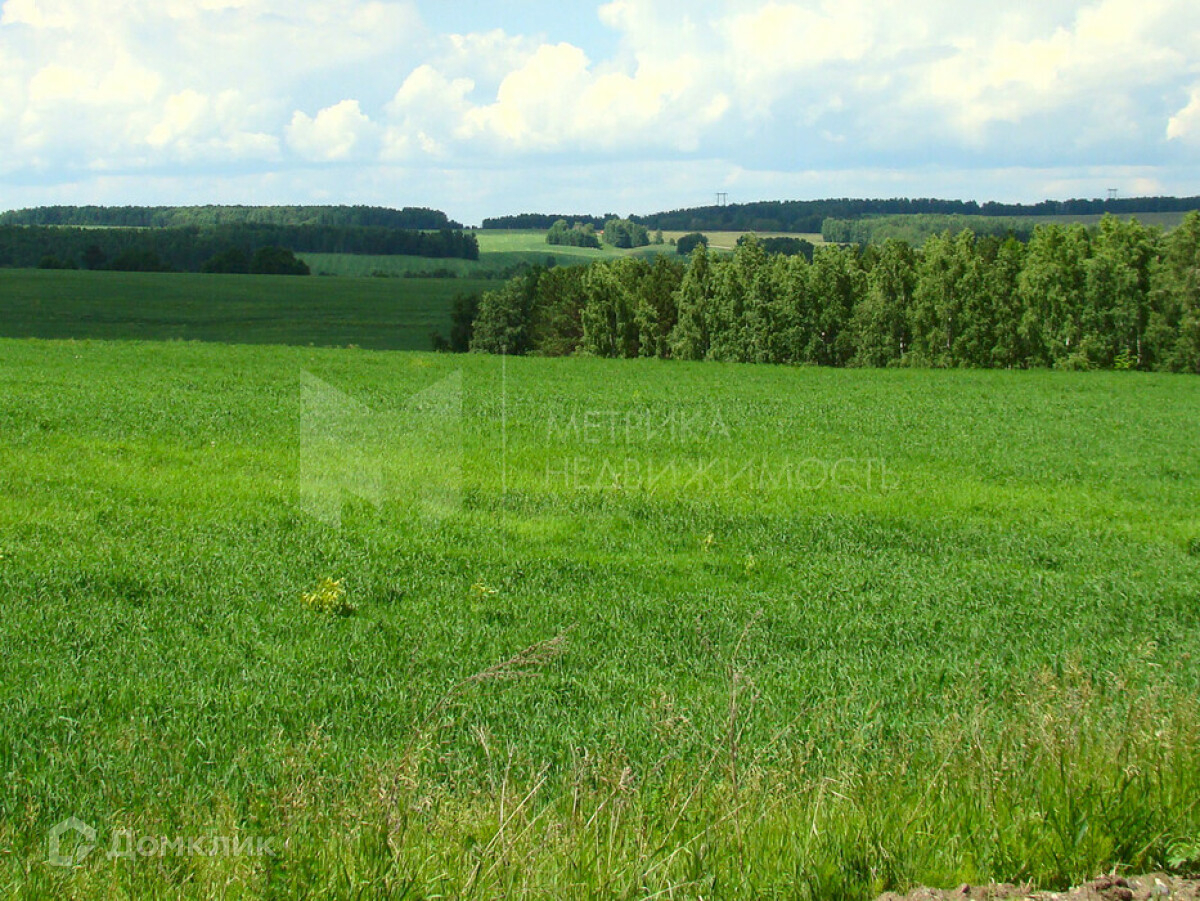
(485, 57)
(770, 85)
(782, 36)
(332, 135)
(37, 14)
(1185, 124)
(196, 126)
(137, 82)
(534, 106)
(1109, 49)
(558, 100)
(126, 83)
(425, 111)
(182, 113)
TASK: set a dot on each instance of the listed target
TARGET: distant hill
(189, 248)
(209, 216)
(542, 221)
(808, 216)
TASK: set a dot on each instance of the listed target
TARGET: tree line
(918, 228)
(542, 221)
(212, 215)
(190, 248)
(1119, 296)
(626, 234)
(808, 216)
(577, 234)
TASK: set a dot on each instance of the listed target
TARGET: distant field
(728, 240)
(499, 253)
(618, 629)
(1162, 220)
(917, 228)
(385, 314)
(352, 265)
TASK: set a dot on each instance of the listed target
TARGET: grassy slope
(778, 679)
(375, 313)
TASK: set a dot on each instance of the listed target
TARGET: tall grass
(1071, 776)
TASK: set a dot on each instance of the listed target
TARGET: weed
(330, 597)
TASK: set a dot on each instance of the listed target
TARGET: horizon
(627, 105)
(580, 214)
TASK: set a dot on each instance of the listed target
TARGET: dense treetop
(190, 248)
(179, 216)
(574, 235)
(1121, 296)
(542, 221)
(808, 216)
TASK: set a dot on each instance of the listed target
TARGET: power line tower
(1112, 193)
(722, 198)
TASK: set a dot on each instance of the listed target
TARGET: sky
(628, 106)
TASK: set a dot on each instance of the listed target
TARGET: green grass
(398, 314)
(813, 633)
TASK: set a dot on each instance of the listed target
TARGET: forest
(189, 248)
(542, 221)
(918, 228)
(576, 234)
(1119, 296)
(808, 216)
(213, 215)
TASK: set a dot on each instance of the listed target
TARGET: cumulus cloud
(333, 134)
(198, 126)
(783, 36)
(1185, 124)
(37, 15)
(559, 100)
(424, 113)
(485, 57)
(1110, 48)
(769, 85)
(138, 82)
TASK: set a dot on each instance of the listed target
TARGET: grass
(393, 314)
(614, 629)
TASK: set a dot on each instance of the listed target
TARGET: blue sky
(624, 106)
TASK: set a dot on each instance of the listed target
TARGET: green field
(1165, 221)
(620, 629)
(915, 229)
(392, 314)
(719, 240)
(500, 251)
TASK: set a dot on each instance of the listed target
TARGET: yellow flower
(330, 597)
